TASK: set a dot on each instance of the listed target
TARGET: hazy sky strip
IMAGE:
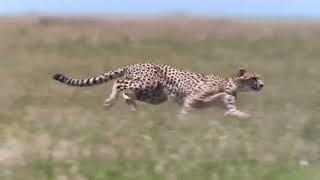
(197, 7)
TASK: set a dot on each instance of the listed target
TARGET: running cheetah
(154, 83)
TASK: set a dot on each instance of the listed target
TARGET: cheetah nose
(261, 86)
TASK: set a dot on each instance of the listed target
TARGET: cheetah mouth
(257, 88)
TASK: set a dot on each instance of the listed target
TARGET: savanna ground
(52, 131)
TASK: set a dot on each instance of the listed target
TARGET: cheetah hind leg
(187, 107)
(129, 99)
(116, 89)
(129, 86)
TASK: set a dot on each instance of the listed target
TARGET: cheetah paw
(107, 104)
(238, 114)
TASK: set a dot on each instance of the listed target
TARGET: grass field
(55, 132)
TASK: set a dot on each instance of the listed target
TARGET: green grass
(52, 131)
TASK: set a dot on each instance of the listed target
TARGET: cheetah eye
(254, 78)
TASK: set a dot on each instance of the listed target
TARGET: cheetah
(154, 83)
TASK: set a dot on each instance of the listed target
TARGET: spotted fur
(154, 83)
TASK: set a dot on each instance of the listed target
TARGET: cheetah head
(248, 81)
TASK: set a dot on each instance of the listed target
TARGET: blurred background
(51, 131)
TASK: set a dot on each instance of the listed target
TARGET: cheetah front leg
(230, 107)
(192, 101)
(228, 102)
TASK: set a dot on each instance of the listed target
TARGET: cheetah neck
(232, 86)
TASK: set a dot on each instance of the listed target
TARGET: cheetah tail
(90, 81)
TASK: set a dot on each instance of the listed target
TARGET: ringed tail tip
(57, 77)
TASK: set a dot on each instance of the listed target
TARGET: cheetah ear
(241, 72)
